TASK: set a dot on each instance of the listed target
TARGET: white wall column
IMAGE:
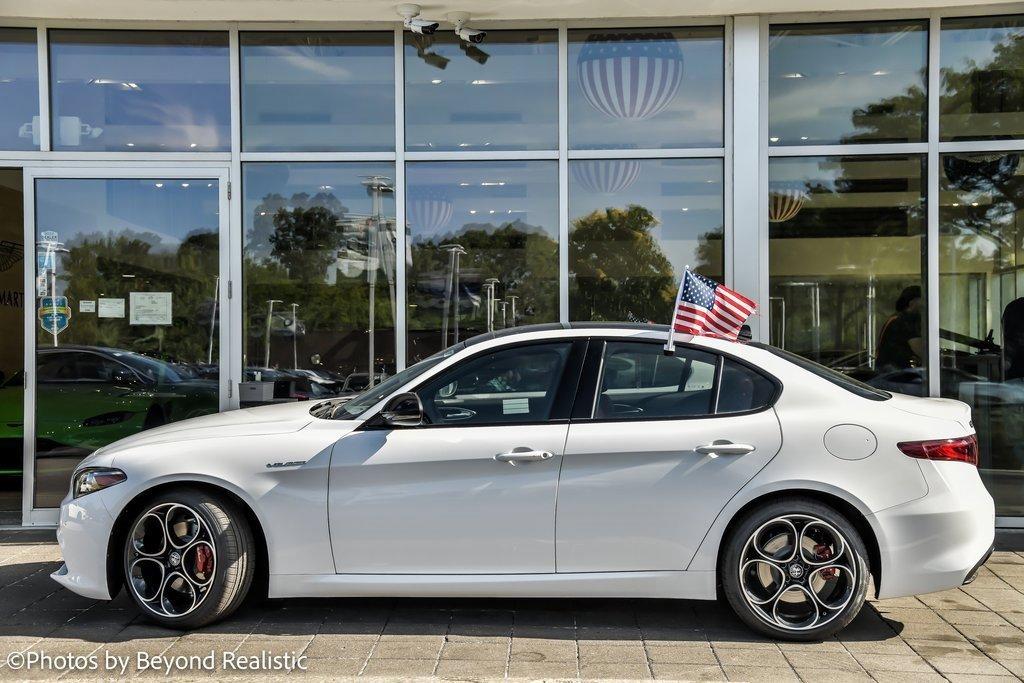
(749, 241)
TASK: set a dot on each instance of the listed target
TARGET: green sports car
(88, 396)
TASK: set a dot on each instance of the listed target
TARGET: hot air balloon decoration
(784, 205)
(606, 176)
(429, 209)
(628, 75)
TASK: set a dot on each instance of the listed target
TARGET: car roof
(562, 327)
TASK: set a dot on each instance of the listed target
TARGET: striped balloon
(784, 205)
(606, 176)
(429, 209)
(628, 75)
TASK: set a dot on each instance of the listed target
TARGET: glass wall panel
(634, 227)
(12, 351)
(156, 91)
(19, 89)
(312, 92)
(127, 314)
(843, 83)
(981, 320)
(319, 264)
(653, 88)
(483, 249)
(982, 62)
(847, 265)
(501, 94)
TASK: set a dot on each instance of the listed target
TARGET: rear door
(657, 446)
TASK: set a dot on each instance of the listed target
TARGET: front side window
(136, 91)
(640, 382)
(512, 385)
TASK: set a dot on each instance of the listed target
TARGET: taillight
(961, 449)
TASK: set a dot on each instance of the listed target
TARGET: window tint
(77, 367)
(639, 381)
(743, 389)
(507, 386)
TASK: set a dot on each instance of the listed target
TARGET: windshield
(369, 398)
(839, 379)
(156, 370)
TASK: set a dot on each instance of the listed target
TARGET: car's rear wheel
(188, 558)
(795, 569)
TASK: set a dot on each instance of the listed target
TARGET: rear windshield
(839, 379)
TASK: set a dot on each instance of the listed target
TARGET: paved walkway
(971, 634)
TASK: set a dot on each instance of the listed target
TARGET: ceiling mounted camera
(411, 20)
(465, 33)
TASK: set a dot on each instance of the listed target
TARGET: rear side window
(743, 389)
(638, 381)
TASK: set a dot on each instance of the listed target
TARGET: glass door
(125, 332)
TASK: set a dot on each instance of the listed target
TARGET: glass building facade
(213, 208)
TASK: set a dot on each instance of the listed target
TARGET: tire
(785, 592)
(189, 558)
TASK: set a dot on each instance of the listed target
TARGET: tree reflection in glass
(635, 225)
(319, 261)
(483, 249)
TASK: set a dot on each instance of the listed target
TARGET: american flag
(705, 307)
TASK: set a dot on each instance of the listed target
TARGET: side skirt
(691, 585)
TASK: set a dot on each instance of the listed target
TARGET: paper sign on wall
(111, 308)
(86, 306)
(149, 308)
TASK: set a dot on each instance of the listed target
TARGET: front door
(125, 311)
(641, 480)
(472, 491)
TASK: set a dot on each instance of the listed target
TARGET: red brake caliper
(823, 553)
(204, 561)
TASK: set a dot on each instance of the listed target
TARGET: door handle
(515, 456)
(724, 447)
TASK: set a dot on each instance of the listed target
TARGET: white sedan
(548, 461)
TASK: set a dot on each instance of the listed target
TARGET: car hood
(277, 419)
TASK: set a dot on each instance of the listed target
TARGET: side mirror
(403, 410)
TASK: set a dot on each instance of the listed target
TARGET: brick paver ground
(970, 634)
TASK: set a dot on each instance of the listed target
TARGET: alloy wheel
(797, 572)
(171, 560)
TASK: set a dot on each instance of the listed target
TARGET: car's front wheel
(795, 569)
(188, 558)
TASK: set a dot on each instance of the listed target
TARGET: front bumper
(939, 541)
(82, 533)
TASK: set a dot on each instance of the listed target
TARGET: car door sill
(695, 585)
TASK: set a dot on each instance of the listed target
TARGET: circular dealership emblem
(175, 559)
(796, 571)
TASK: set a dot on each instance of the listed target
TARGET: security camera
(471, 35)
(411, 20)
(467, 34)
(421, 26)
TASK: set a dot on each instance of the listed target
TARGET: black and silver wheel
(795, 569)
(188, 559)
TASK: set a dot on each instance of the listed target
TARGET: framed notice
(149, 308)
(110, 308)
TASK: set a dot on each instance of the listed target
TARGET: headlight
(92, 479)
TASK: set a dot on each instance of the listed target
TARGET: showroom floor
(969, 634)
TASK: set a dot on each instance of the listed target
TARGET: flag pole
(670, 345)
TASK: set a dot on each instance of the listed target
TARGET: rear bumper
(937, 542)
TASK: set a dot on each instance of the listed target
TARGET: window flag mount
(704, 307)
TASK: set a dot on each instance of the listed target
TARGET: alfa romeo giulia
(547, 461)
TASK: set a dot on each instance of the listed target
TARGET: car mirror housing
(403, 410)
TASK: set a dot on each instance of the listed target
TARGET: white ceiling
(483, 11)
